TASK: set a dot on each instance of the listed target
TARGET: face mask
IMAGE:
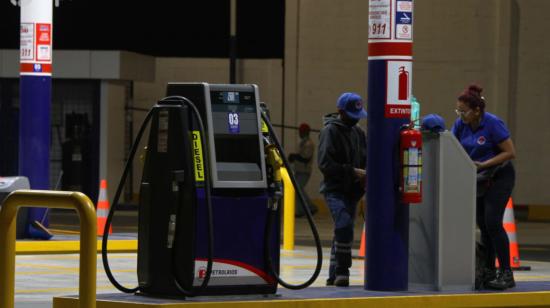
(350, 122)
(347, 119)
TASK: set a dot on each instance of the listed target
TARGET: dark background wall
(160, 28)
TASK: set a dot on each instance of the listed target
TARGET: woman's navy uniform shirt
(481, 144)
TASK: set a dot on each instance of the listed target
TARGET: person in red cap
(342, 158)
(302, 167)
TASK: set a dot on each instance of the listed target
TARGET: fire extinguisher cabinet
(442, 226)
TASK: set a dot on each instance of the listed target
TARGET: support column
(233, 42)
(35, 89)
(506, 59)
(291, 74)
(389, 97)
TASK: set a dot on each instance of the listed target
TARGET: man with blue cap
(342, 158)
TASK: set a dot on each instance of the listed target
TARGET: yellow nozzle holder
(275, 160)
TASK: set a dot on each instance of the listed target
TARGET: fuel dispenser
(208, 209)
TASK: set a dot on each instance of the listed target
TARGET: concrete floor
(41, 277)
(533, 237)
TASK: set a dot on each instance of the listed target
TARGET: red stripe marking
(30, 68)
(249, 267)
(510, 227)
(509, 205)
(390, 49)
(103, 205)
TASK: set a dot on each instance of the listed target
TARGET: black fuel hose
(208, 191)
(271, 218)
(115, 204)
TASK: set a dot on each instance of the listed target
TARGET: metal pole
(389, 94)
(289, 203)
(35, 89)
(233, 42)
(129, 126)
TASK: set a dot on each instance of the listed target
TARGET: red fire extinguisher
(403, 84)
(410, 148)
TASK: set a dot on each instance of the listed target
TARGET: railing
(50, 199)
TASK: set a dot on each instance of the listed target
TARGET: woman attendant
(487, 141)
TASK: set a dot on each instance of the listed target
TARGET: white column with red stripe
(389, 107)
(390, 39)
(35, 99)
(36, 37)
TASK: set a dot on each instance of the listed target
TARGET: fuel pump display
(234, 115)
(208, 210)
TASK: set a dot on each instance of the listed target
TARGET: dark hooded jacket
(341, 149)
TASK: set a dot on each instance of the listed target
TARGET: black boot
(483, 276)
(503, 281)
(341, 281)
(489, 274)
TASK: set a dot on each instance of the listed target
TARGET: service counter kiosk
(442, 227)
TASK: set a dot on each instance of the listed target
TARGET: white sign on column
(404, 20)
(380, 15)
(36, 37)
(399, 88)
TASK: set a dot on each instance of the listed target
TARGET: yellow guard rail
(289, 204)
(50, 199)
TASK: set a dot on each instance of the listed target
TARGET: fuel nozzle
(275, 162)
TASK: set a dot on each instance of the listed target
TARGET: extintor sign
(399, 89)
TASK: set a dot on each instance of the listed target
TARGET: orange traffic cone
(509, 224)
(362, 248)
(102, 209)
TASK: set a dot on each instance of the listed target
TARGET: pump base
(525, 294)
(210, 291)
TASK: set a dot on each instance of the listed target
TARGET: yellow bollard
(50, 199)
(289, 203)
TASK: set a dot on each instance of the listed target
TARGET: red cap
(304, 128)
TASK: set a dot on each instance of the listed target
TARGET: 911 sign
(27, 41)
(377, 29)
(380, 19)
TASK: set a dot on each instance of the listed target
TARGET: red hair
(471, 96)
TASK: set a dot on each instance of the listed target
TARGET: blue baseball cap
(352, 104)
(433, 122)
